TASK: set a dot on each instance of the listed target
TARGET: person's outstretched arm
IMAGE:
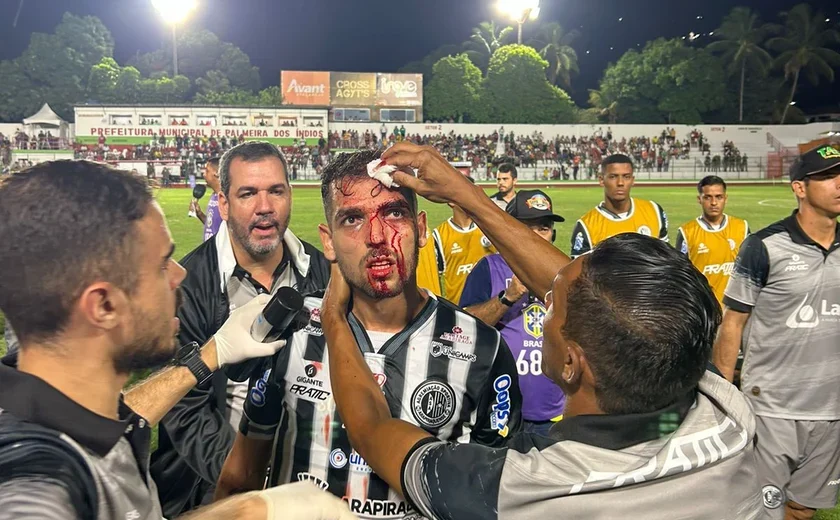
(533, 260)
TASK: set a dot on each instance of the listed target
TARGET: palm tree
(606, 105)
(741, 35)
(804, 48)
(484, 41)
(555, 46)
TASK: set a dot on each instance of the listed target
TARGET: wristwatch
(505, 301)
(189, 356)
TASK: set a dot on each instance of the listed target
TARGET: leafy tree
(803, 47)
(54, 68)
(604, 105)
(667, 82)
(102, 82)
(484, 41)
(110, 83)
(554, 45)
(231, 97)
(741, 36)
(213, 81)
(455, 90)
(517, 90)
(270, 97)
(200, 52)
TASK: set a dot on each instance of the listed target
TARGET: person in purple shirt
(212, 219)
(494, 295)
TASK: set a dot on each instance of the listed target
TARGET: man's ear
(326, 241)
(422, 229)
(224, 207)
(103, 306)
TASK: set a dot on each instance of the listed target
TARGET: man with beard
(506, 182)
(438, 367)
(253, 253)
(71, 445)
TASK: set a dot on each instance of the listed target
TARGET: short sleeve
(663, 219)
(477, 288)
(682, 243)
(435, 483)
(28, 498)
(749, 275)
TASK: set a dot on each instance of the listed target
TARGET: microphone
(198, 191)
(281, 317)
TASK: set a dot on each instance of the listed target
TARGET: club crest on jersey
(485, 242)
(338, 459)
(773, 497)
(644, 230)
(433, 403)
(539, 202)
(456, 336)
(532, 320)
(501, 410)
(731, 244)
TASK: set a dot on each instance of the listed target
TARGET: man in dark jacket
(253, 253)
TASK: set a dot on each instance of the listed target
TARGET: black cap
(532, 205)
(816, 161)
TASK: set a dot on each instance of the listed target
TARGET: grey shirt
(657, 466)
(790, 285)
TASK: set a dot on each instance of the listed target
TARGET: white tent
(47, 120)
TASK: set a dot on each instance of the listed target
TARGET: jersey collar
(798, 236)
(708, 227)
(458, 228)
(614, 216)
(399, 339)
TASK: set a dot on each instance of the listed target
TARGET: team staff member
(254, 253)
(212, 219)
(506, 182)
(463, 245)
(71, 446)
(628, 335)
(434, 362)
(496, 296)
(712, 240)
(430, 265)
(783, 307)
(618, 213)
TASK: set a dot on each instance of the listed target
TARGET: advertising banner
(305, 87)
(352, 89)
(394, 90)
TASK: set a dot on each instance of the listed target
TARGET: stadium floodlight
(174, 12)
(520, 11)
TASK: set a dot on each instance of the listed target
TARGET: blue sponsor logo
(501, 410)
(257, 394)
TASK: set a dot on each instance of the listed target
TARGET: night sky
(383, 35)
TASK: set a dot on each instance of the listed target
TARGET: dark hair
(710, 180)
(214, 161)
(646, 319)
(65, 225)
(508, 168)
(349, 166)
(616, 158)
(249, 151)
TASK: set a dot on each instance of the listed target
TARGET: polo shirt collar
(798, 236)
(616, 432)
(32, 399)
(227, 261)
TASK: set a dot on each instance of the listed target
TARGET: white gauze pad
(382, 173)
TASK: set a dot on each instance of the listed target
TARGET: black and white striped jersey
(446, 372)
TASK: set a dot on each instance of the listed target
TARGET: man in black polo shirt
(627, 336)
(92, 303)
(254, 252)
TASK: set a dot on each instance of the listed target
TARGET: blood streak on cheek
(396, 245)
